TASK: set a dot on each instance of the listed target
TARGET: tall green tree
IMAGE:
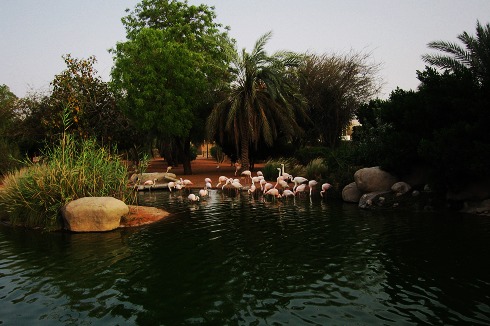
(472, 58)
(168, 69)
(336, 86)
(260, 103)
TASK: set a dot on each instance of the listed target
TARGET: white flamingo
(193, 197)
(312, 184)
(221, 180)
(284, 174)
(203, 193)
(297, 181)
(171, 185)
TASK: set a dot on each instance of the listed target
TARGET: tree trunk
(244, 144)
(185, 154)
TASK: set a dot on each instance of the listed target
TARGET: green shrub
(307, 154)
(316, 169)
(34, 196)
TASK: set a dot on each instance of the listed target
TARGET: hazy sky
(34, 34)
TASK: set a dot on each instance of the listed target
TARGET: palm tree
(260, 102)
(473, 58)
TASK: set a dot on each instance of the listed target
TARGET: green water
(242, 261)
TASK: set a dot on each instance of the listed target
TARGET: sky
(35, 34)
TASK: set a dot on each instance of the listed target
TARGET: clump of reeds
(291, 166)
(316, 169)
(34, 195)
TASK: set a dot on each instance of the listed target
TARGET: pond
(235, 260)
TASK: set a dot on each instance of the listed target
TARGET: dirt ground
(201, 168)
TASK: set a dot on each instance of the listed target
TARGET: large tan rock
(351, 194)
(91, 214)
(373, 180)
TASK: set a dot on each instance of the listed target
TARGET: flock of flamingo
(254, 185)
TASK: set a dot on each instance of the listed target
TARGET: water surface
(235, 260)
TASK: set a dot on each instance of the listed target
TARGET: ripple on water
(238, 260)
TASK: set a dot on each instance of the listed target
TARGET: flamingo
(237, 185)
(222, 179)
(171, 185)
(247, 174)
(193, 197)
(252, 189)
(255, 179)
(238, 166)
(186, 182)
(208, 185)
(297, 181)
(206, 180)
(268, 186)
(262, 183)
(273, 192)
(287, 193)
(325, 187)
(203, 192)
(284, 174)
(300, 189)
(312, 184)
(150, 183)
(260, 174)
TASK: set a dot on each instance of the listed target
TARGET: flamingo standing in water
(297, 181)
(247, 175)
(312, 184)
(273, 192)
(300, 189)
(150, 183)
(325, 187)
(222, 180)
(193, 197)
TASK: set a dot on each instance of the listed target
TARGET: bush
(316, 169)
(34, 196)
(307, 154)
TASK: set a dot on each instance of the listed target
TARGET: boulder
(91, 214)
(373, 198)
(160, 176)
(478, 207)
(400, 188)
(351, 193)
(373, 179)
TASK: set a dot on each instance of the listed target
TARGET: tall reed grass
(34, 195)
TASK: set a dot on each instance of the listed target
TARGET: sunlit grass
(34, 195)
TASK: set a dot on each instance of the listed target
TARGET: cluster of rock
(373, 187)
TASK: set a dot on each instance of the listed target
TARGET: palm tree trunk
(244, 146)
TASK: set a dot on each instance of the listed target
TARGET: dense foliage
(167, 70)
(443, 126)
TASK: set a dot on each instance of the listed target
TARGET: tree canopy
(261, 103)
(168, 68)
